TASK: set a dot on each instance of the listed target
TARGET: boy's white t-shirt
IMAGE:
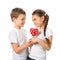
(18, 36)
(37, 52)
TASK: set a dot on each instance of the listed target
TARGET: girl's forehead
(36, 16)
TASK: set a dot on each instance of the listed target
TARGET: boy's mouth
(22, 23)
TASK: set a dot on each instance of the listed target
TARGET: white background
(50, 6)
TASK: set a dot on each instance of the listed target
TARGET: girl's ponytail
(45, 26)
(45, 23)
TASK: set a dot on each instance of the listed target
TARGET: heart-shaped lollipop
(34, 31)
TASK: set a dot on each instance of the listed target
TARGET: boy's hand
(30, 43)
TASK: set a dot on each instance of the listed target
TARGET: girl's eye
(22, 19)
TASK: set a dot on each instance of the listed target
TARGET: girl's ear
(42, 18)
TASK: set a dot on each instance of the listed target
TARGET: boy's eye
(34, 19)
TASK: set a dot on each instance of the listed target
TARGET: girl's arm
(45, 44)
(18, 48)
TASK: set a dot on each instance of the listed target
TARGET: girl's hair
(41, 13)
(16, 11)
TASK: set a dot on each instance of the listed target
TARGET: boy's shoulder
(24, 30)
(12, 31)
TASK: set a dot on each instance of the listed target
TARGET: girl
(44, 39)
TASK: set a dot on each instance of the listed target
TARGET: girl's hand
(34, 40)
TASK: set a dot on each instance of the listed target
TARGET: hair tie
(45, 14)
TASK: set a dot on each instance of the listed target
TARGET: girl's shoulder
(49, 32)
(48, 29)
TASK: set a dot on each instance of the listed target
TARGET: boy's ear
(13, 19)
(42, 18)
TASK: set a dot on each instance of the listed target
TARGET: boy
(17, 36)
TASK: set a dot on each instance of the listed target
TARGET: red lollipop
(34, 31)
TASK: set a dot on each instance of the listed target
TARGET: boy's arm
(18, 48)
